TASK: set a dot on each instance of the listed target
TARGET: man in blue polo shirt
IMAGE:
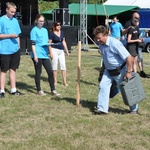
(114, 56)
(9, 48)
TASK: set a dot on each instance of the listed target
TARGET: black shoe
(17, 93)
(98, 112)
(142, 74)
(2, 95)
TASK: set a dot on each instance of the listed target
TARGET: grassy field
(32, 122)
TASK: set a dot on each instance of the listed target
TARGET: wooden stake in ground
(78, 74)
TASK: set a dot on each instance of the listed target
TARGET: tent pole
(78, 75)
(96, 13)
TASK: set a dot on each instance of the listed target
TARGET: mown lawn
(32, 122)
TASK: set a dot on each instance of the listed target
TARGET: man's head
(10, 9)
(115, 19)
(101, 34)
(135, 22)
(136, 16)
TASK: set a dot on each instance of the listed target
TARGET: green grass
(32, 122)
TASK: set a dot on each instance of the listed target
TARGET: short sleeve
(32, 35)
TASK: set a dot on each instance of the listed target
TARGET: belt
(118, 68)
(122, 65)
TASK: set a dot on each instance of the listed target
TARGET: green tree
(46, 5)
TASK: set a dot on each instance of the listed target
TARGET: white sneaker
(54, 92)
(41, 93)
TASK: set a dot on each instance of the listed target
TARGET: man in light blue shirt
(9, 27)
(114, 55)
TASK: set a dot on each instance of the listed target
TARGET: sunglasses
(136, 21)
(137, 18)
(58, 24)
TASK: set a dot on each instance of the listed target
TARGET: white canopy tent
(139, 3)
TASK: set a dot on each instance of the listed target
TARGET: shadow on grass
(89, 83)
(91, 105)
(24, 86)
(97, 68)
(45, 79)
(118, 110)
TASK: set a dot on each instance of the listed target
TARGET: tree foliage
(46, 5)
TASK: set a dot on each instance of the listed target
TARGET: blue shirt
(9, 26)
(40, 37)
(114, 54)
(57, 40)
(116, 29)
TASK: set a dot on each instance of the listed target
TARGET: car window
(142, 34)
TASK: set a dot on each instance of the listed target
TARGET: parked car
(145, 39)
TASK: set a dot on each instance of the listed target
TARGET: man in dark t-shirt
(129, 22)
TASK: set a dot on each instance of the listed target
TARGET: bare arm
(65, 47)
(109, 31)
(50, 50)
(19, 41)
(129, 67)
(132, 41)
(34, 53)
(7, 36)
(125, 31)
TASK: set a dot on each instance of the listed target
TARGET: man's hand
(13, 35)
(127, 75)
(51, 55)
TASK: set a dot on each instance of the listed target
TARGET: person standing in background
(57, 38)
(9, 49)
(39, 44)
(141, 46)
(116, 28)
(133, 41)
(127, 25)
(147, 33)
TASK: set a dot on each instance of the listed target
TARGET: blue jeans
(140, 57)
(104, 90)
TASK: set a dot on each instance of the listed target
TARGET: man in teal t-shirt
(9, 48)
(116, 28)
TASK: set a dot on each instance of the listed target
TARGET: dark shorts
(11, 61)
(132, 50)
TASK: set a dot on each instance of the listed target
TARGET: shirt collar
(108, 41)
(8, 18)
